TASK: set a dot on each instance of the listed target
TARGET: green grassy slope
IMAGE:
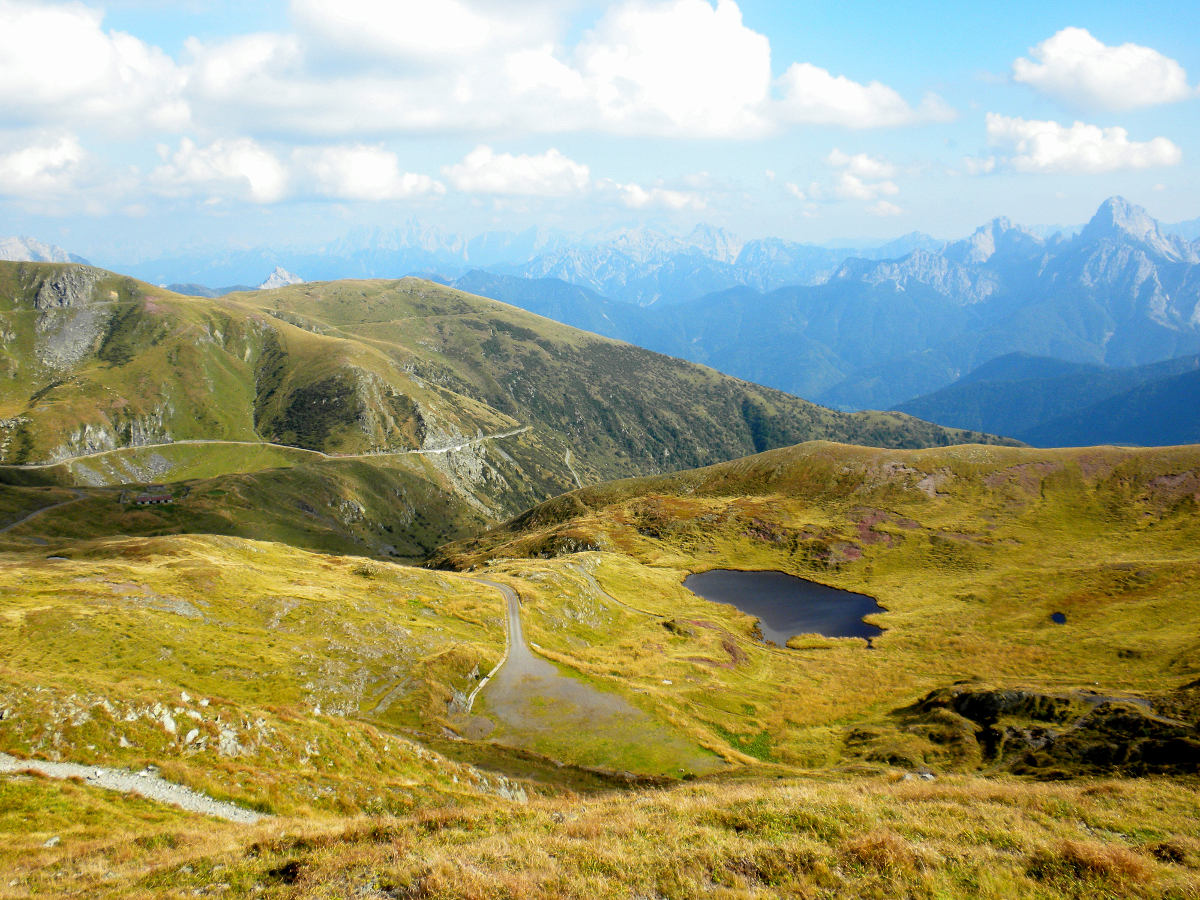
(246, 669)
(97, 361)
(969, 549)
(108, 379)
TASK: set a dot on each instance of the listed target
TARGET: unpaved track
(144, 784)
(567, 459)
(79, 495)
(424, 451)
(534, 703)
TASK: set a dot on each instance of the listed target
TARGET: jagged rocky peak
(281, 277)
(998, 236)
(27, 249)
(1118, 219)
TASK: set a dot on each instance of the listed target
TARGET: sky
(135, 128)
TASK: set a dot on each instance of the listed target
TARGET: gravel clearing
(145, 783)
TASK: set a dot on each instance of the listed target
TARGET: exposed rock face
(923, 268)
(25, 249)
(281, 277)
(1029, 732)
(1118, 219)
(72, 286)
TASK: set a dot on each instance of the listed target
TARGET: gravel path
(424, 451)
(145, 784)
(79, 495)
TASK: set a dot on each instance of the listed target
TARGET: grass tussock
(966, 837)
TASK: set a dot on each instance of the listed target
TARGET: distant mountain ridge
(641, 266)
(1054, 403)
(27, 249)
(1122, 292)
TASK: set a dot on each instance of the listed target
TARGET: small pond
(786, 605)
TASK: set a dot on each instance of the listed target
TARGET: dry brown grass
(1090, 860)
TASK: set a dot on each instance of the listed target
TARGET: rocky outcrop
(1049, 736)
(69, 286)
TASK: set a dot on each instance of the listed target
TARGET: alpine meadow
(652, 449)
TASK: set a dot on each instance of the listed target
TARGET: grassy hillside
(296, 683)
(980, 749)
(97, 361)
(970, 550)
(241, 640)
(113, 382)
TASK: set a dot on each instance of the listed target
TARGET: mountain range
(1122, 292)
(487, 404)
(1053, 403)
(875, 329)
(641, 266)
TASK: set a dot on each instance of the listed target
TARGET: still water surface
(786, 605)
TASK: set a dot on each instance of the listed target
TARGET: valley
(400, 570)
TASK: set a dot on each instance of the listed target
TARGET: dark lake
(786, 605)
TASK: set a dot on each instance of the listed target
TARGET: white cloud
(237, 169)
(812, 95)
(550, 174)
(51, 167)
(884, 209)
(1075, 67)
(860, 164)
(1039, 146)
(979, 165)
(795, 190)
(441, 32)
(683, 66)
(860, 177)
(357, 173)
(243, 169)
(851, 187)
(635, 196)
(57, 64)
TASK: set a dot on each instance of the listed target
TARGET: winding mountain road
(79, 495)
(422, 451)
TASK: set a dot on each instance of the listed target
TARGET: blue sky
(132, 129)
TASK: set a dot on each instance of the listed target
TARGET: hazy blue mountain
(1189, 230)
(1120, 293)
(1039, 400)
(27, 249)
(570, 304)
(200, 290)
(1159, 413)
(634, 265)
(871, 330)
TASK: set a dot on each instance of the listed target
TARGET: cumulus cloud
(410, 29)
(549, 174)
(1075, 67)
(683, 66)
(237, 169)
(635, 196)
(860, 164)
(860, 177)
(58, 64)
(50, 167)
(243, 169)
(357, 173)
(812, 95)
(367, 69)
(884, 209)
(1038, 146)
